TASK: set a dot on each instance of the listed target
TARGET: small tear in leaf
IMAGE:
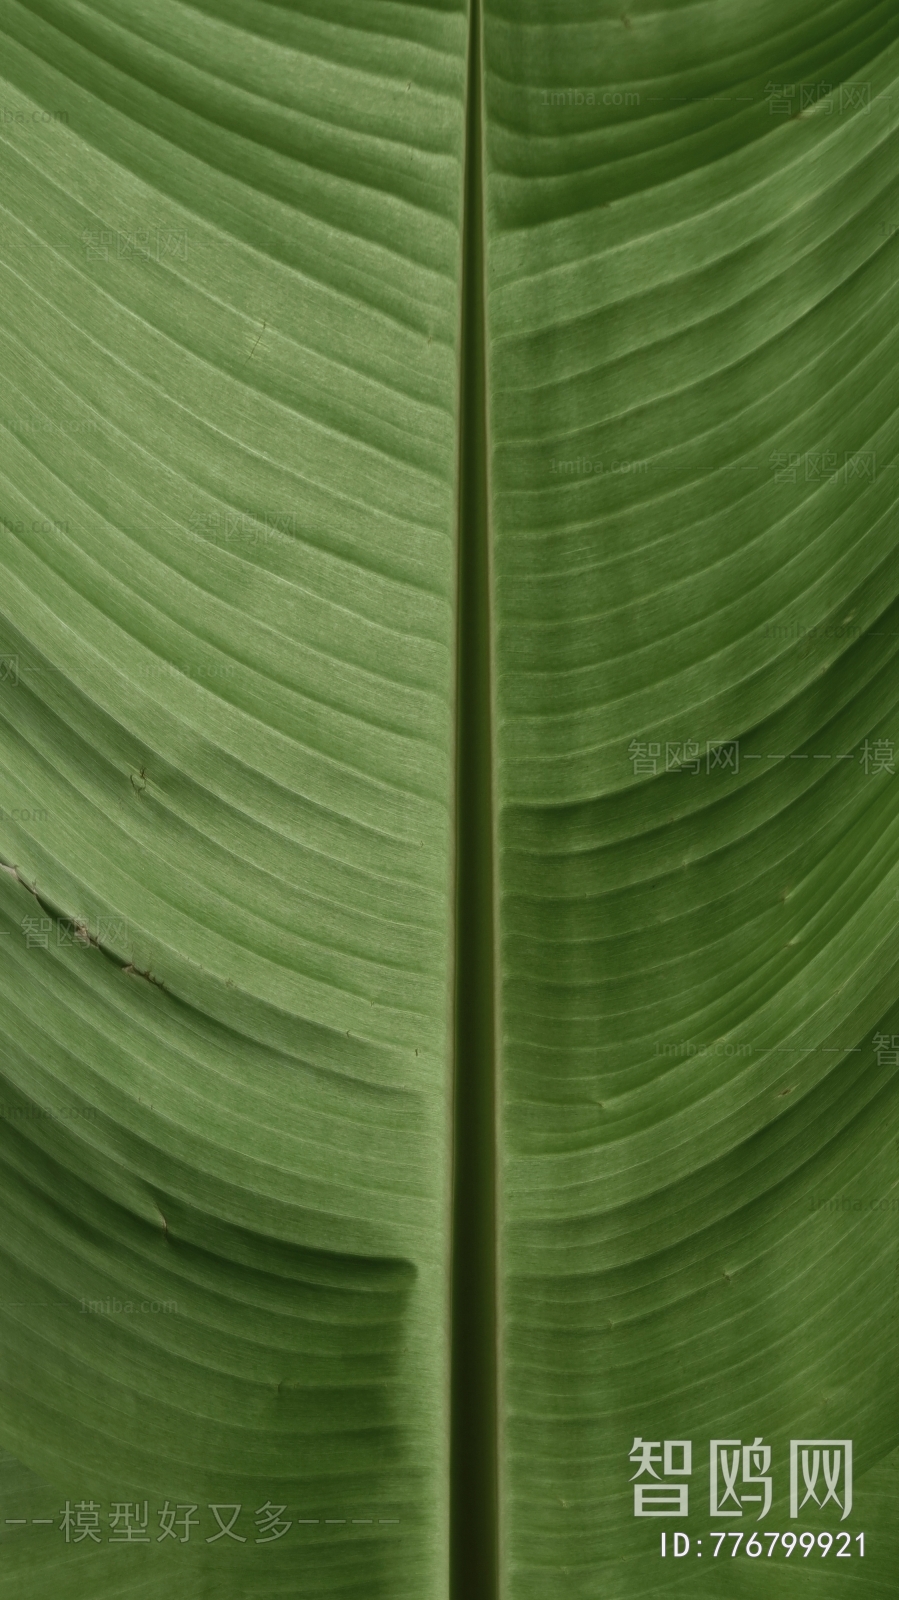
(253, 351)
(136, 972)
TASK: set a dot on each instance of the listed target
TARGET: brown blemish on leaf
(136, 972)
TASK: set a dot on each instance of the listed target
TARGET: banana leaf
(448, 809)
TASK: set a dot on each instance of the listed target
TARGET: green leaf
(692, 300)
(229, 325)
(447, 795)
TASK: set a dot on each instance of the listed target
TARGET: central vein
(474, 1411)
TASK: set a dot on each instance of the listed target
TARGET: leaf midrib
(474, 1322)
